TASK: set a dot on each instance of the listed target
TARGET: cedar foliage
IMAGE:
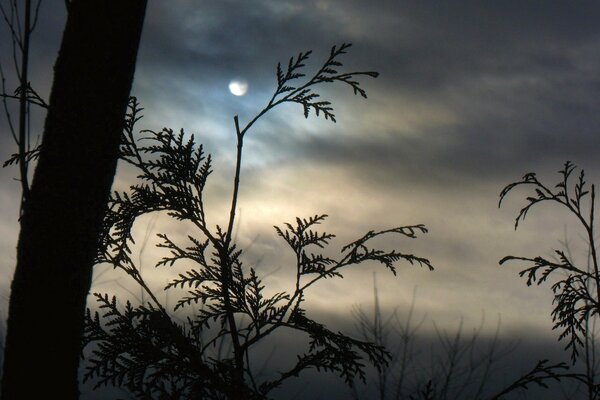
(146, 349)
(576, 287)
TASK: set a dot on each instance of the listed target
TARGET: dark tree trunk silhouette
(63, 214)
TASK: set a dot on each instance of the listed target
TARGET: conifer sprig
(289, 90)
(304, 94)
(155, 355)
(577, 288)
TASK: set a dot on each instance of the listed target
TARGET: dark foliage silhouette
(150, 352)
(576, 288)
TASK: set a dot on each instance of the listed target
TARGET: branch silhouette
(576, 288)
(143, 349)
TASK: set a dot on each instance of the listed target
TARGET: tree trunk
(63, 214)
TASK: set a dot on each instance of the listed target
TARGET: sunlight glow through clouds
(238, 87)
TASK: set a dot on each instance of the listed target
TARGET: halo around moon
(238, 87)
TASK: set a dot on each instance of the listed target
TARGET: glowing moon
(238, 87)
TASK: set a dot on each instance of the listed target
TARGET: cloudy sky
(471, 96)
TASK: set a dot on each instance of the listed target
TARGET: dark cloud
(519, 77)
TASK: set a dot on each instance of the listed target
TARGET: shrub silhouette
(576, 288)
(145, 349)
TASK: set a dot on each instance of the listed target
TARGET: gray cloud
(518, 78)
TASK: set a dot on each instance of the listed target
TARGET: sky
(471, 96)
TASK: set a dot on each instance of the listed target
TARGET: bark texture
(63, 214)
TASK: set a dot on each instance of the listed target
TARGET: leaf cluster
(577, 288)
(146, 352)
(288, 91)
(28, 156)
(227, 305)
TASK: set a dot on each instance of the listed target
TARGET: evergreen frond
(151, 353)
(576, 289)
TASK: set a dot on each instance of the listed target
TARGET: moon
(238, 87)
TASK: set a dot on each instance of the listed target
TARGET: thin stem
(407, 333)
(226, 260)
(23, 106)
(588, 343)
(135, 274)
(249, 372)
(15, 8)
(588, 369)
(5, 104)
(590, 230)
(10, 24)
(36, 14)
(236, 181)
(235, 336)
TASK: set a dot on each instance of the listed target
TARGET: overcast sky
(471, 96)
